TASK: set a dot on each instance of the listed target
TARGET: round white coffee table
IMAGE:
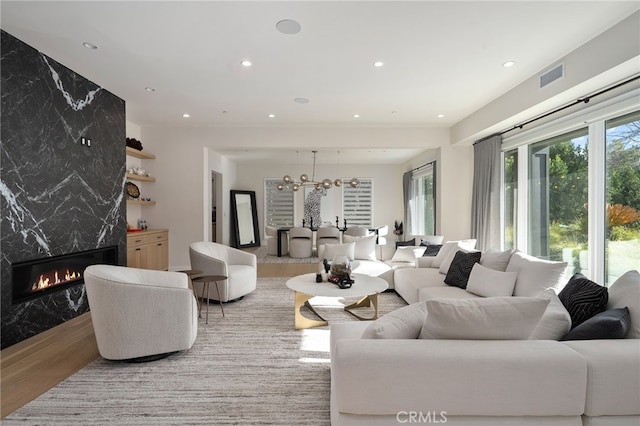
(306, 287)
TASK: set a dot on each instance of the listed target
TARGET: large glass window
(558, 195)
(357, 203)
(278, 209)
(422, 201)
(622, 231)
(510, 196)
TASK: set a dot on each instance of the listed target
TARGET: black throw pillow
(411, 242)
(432, 249)
(583, 299)
(611, 324)
(460, 269)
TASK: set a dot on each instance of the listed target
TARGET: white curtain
(485, 204)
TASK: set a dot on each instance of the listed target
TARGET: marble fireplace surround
(57, 196)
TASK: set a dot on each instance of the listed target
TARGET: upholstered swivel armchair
(300, 242)
(327, 235)
(140, 313)
(240, 268)
(271, 233)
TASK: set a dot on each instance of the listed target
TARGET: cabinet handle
(137, 249)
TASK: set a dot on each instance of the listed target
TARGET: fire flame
(45, 281)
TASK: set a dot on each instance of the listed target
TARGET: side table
(206, 280)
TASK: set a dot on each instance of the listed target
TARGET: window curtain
(485, 203)
(406, 192)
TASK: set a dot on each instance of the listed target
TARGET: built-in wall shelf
(140, 154)
(140, 178)
(141, 202)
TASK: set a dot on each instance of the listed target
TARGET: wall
(184, 154)
(58, 196)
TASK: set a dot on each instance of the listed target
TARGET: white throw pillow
(448, 247)
(488, 282)
(497, 260)
(365, 246)
(408, 253)
(491, 318)
(535, 275)
(345, 249)
(625, 291)
(555, 322)
(403, 323)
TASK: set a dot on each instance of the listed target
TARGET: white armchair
(140, 314)
(240, 268)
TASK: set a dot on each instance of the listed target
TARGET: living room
(380, 146)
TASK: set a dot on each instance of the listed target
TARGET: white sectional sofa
(377, 260)
(381, 374)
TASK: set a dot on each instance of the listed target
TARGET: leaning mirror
(244, 219)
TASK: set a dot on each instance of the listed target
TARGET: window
(510, 197)
(278, 210)
(622, 226)
(581, 200)
(558, 195)
(357, 203)
(422, 201)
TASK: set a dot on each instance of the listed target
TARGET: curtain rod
(585, 100)
(424, 165)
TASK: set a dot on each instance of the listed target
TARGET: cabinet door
(158, 256)
(137, 257)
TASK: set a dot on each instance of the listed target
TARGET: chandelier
(288, 182)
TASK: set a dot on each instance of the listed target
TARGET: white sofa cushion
(488, 282)
(534, 275)
(625, 291)
(493, 318)
(403, 323)
(408, 254)
(555, 322)
(497, 260)
(365, 247)
(447, 292)
(329, 251)
(409, 281)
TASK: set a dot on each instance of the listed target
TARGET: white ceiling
(440, 57)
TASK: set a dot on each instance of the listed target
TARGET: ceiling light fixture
(508, 64)
(378, 64)
(149, 89)
(356, 115)
(288, 182)
(89, 45)
(440, 115)
(272, 115)
(301, 100)
(185, 115)
(246, 63)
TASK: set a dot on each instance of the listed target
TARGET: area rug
(249, 368)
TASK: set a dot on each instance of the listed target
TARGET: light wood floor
(33, 366)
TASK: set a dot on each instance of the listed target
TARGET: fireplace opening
(34, 278)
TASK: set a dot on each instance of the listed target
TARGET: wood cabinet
(148, 249)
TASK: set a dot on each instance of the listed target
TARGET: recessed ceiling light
(149, 89)
(440, 115)
(508, 64)
(301, 100)
(288, 26)
(272, 115)
(225, 111)
(246, 63)
(394, 112)
(378, 64)
(185, 115)
(89, 45)
(356, 115)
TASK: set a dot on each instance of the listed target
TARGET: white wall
(387, 187)
(186, 156)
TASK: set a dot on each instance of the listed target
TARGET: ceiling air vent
(552, 75)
